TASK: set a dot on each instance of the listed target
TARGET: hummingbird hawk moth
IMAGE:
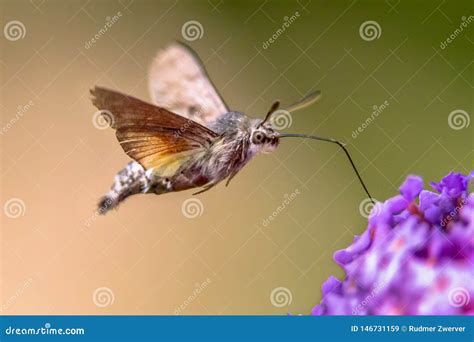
(188, 138)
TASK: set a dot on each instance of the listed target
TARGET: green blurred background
(149, 257)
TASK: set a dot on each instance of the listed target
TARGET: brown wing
(153, 136)
(178, 81)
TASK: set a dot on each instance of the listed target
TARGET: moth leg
(230, 178)
(232, 175)
(207, 187)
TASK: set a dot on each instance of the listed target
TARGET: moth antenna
(305, 101)
(334, 141)
(272, 110)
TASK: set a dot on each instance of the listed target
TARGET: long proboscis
(334, 141)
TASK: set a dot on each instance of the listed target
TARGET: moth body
(240, 138)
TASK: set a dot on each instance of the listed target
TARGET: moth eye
(258, 138)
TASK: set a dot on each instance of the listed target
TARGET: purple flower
(415, 258)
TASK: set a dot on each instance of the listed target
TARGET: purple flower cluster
(415, 258)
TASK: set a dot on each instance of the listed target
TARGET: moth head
(263, 137)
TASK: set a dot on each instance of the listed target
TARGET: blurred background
(396, 78)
